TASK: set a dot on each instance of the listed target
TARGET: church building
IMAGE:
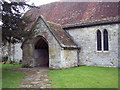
(71, 34)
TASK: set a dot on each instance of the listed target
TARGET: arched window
(105, 40)
(99, 43)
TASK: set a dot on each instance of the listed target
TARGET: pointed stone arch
(41, 52)
(56, 41)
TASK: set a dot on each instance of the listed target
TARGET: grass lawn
(10, 66)
(11, 79)
(85, 77)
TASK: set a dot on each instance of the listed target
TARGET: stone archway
(41, 53)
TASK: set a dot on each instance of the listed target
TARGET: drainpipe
(78, 56)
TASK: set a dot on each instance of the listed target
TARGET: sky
(41, 2)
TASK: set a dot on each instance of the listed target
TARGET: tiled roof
(63, 38)
(113, 20)
(69, 13)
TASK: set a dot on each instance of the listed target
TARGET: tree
(14, 22)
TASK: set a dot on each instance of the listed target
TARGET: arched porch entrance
(41, 53)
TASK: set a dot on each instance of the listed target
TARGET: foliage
(26, 66)
(14, 22)
(4, 59)
(11, 79)
(85, 77)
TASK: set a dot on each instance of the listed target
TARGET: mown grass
(85, 77)
(11, 79)
(11, 66)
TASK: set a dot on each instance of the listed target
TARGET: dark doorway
(41, 53)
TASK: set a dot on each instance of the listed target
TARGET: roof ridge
(93, 22)
(53, 23)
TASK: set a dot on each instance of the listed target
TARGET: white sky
(41, 2)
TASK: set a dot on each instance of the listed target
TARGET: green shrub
(5, 59)
(25, 66)
(12, 62)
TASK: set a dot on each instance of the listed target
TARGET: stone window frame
(105, 43)
(99, 43)
(102, 40)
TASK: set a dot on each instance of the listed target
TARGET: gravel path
(35, 77)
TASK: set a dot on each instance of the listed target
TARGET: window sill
(102, 51)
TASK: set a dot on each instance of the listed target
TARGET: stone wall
(119, 46)
(69, 58)
(16, 51)
(54, 47)
(59, 58)
(28, 54)
(4, 50)
(87, 39)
